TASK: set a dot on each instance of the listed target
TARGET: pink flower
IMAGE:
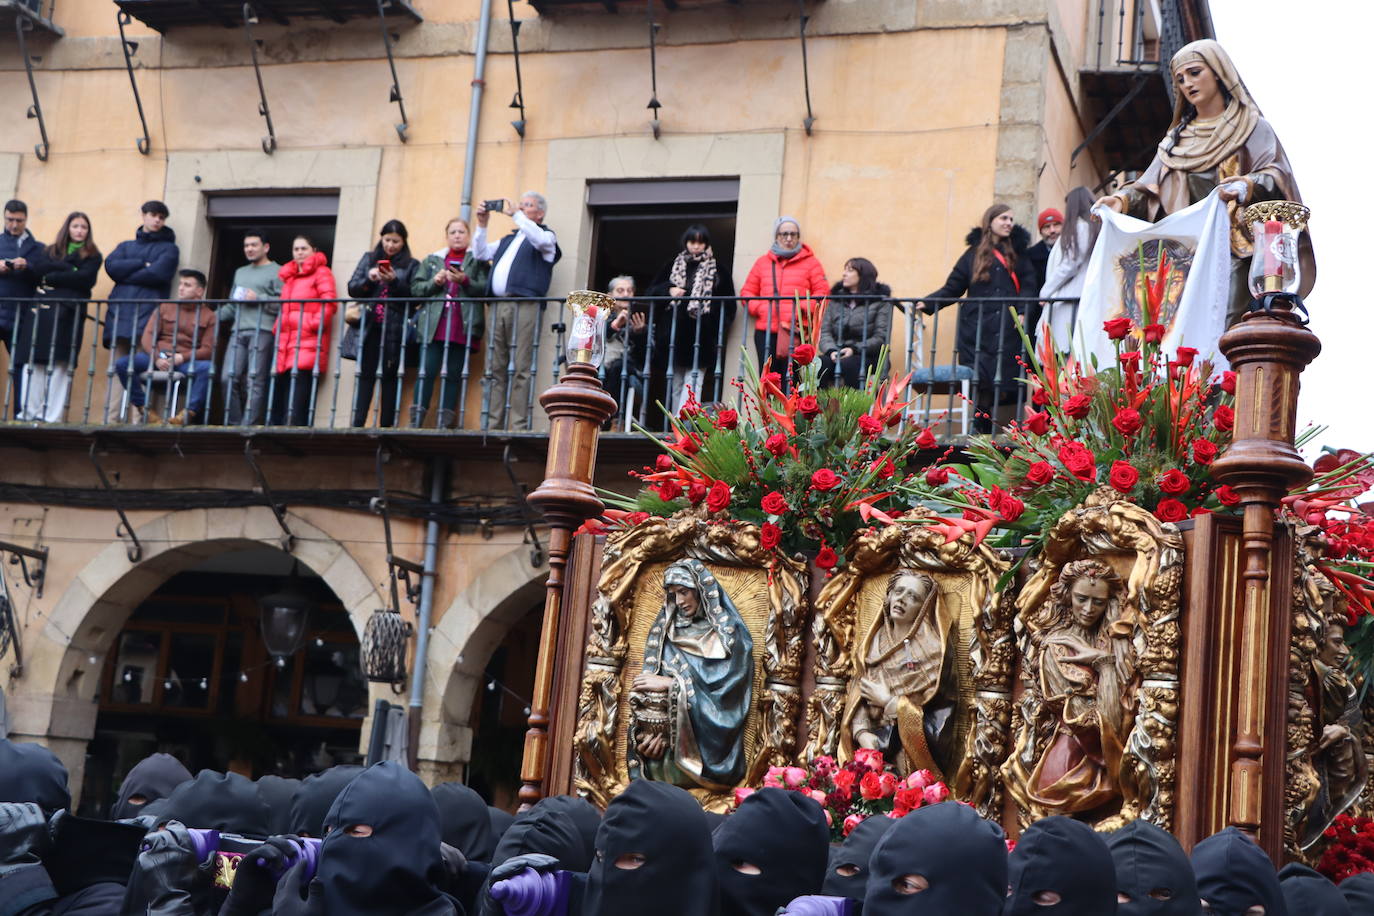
(870, 758)
(851, 822)
(824, 765)
(773, 778)
(741, 793)
(818, 795)
(793, 777)
(920, 779)
(889, 784)
(935, 794)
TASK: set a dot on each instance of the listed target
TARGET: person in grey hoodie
(251, 316)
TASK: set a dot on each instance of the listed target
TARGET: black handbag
(351, 343)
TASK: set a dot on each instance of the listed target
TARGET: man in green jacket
(251, 318)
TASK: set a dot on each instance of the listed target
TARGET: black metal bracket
(9, 630)
(654, 104)
(269, 142)
(1137, 84)
(20, 553)
(124, 530)
(130, 48)
(538, 555)
(806, 69)
(397, 567)
(21, 25)
(395, 81)
(519, 100)
(288, 540)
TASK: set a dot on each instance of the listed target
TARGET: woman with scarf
(1217, 138)
(302, 331)
(1066, 270)
(791, 279)
(856, 327)
(694, 325)
(994, 271)
(383, 274)
(450, 325)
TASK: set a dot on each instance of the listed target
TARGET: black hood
(226, 802)
(1153, 871)
(32, 773)
(666, 826)
(152, 778)
(500, 822)
(315, 797)
(1358, 891)
(783, 835)
(395, 870)
(1233, 874)
(277, 792)
(1020, 238)
(1311, 893)
(854, 853)
(1067, 857)
(550, 828)
(165, 234)
(962, 857)
(464, 822)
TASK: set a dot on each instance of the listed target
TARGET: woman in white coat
(1066, 270)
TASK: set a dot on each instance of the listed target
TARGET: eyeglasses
(789, 235)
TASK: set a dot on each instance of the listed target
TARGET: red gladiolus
(1127, 421)
(776, 444)
(1224, 418)
(1123, 476)
(663, 463)
(1185, 356)
(808, 406)
(937, 476)
(727, 419)
(803, 355)
(770, 535)
(1227, 496)
(824, 480)
(1174, 482)
(1130, 360)
(1117, 328)
(1171, 510)
(1154, 333)
(871, 786)
(1228, 382)
(696, 492)
(719, 496)
(1079, 460)
(926, 439)
(668, 490)
(636, 518)
(772, 379)
(884, 467)
(1204, 451)
(773, 503)
(870, 425)
(1078, 406)
(826, 558)
(1010, 508)
(1039, 473)
(688, 444)
(1038, 422)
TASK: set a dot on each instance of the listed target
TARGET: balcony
(31, 15)
(168, 14)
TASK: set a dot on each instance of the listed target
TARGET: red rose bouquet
(1352, 848)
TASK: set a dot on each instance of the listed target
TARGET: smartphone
(384, 264)
(495, 206)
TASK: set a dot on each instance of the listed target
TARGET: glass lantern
(587, 331)
(1275, 226)
(285, 617)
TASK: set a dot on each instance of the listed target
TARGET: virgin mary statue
(690, 701)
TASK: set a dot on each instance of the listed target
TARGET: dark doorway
(280, 217)
(500, 713)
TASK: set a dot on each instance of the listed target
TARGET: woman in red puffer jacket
(302, 331)
(788, 269)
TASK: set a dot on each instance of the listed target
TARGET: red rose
(907, 800)
(871, 786)
(1171, 510)
(1078, 406)
(1227, 496)
(1040, 397)
(1010, 508)
(1224, 418)
(637, 518)
(1154, 333)
(771, 378)
(888, 782)
(774, 503)
(1204, 451)
(1228, 382)
(824, 480)
(1079, 460)
(1123, 476)
(808, 406)
(727, 419)
(719, 497)
(804, 354)
(1185, 356)
(668, 490)
(884, 467)
(663, 463)
(1127, 421)
(926, 439)
(1117, 328)
(844, 780)
(870, 425)
(1038, 422)
(696, 492)
(1039, 473)
(770, 535)
(826, 558)
(937, 476)
(1201, 510)
(1174, 482)
(776, 444)
(1130, 360)
(689, 410)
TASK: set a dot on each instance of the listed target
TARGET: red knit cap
(1049, 215)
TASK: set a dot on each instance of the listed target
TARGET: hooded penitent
(1358, 891)
(1233, 874)
(1153, 874)
(226, 802)
(553, 827)
(653, 855)
(771, 849)
(961, 857)
(500, 822)
(1310, 893)
(396, 868)
(32, 773)
(464, 822)
(151, 778)
(277, 792)
(1064, 860)
(847, 875)
(315, 796)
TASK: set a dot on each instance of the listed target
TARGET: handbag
(348, 347)
(353, 314)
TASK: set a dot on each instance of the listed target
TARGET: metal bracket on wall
(397, 567)
(288, 540)
(124, 529)
(9, 636)
(1137, 84)
(21, 25)
(250, 18)
(519, 100)
(806, 70)
(395, 81)
(538, 555)
(654, 104)
(39, 555)
(130, 48)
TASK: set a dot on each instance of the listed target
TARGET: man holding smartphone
(522, 269)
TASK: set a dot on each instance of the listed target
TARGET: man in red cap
(1050, 223)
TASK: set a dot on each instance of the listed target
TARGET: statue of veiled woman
(1081, 667)
(690, 700)
(903, 696)
(1217, 138)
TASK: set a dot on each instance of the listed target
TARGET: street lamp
(285, 615)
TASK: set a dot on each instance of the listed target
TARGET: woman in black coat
(693, 326)
(993, 270)
(384, 273)
(856, 327)
(51, 327)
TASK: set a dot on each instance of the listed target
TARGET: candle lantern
(285, 616)
(587, 339)
(1275, 225)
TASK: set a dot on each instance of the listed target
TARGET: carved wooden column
(577, 405)
(1268, 350)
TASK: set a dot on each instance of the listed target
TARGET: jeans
(197, 371)
(247, 372)
(443, 365)
(376, 361)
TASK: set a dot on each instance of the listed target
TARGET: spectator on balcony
(143, 269)
(383, 275)
(302, 331)
(449, 327)
(993, 271)
(791, 277)
(1050, 223)
(522, 267)
(19, 252)
(1067, 270)
(250, 317)
(694, 324)
(50, 330)
(626, 348)
(180, 337)
(857, 325)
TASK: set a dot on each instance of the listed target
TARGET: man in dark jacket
(522, 266)
(143, 269)
(1050, 223)
(180, 337)
(20, 254)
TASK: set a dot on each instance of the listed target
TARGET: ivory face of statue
(901, 698)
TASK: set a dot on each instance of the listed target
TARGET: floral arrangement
(852, 792)
(1352, 848)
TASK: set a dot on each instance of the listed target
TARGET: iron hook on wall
(654, 104)
(130, 48)
(806, 70)
(519, 100)
(40, 150)
(269, 142)
(395, 80)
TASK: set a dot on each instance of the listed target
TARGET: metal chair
(932, 380)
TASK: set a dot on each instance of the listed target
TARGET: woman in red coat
(302, 331)
(789, 269)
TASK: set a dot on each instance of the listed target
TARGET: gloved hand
(254, 884)
(169, 870)
(25, 834)
(454, 863)
(146, 821)
(816, 905)
(516, 864)
(296, 895)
